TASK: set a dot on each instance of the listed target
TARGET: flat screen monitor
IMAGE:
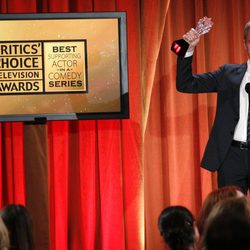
(63, 66)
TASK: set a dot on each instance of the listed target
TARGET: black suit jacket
(226, 82)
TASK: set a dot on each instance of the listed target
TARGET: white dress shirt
(240, 132)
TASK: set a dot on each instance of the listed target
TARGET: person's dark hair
(246, 30)
(176, 225)
(19, 224)
(228, 226)
(212, 199)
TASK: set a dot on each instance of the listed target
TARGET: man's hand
(192, 38)
(185, 47)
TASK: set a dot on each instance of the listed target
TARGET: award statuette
(180, 47)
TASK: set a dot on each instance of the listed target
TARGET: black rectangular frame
(124, 95)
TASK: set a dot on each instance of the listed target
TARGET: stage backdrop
(102, 184)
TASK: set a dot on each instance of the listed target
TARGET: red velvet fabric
(94, 167)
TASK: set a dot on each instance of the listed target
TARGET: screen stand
(37, 120)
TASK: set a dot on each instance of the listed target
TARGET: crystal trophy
(180, 47)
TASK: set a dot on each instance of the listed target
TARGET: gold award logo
(41, 67)
(65, 66)
(20, 67)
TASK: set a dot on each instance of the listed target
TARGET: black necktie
(248, 127)
(247, 88)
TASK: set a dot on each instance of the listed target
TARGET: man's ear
(245, 46)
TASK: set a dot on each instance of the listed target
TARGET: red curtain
(94, 170)
(178, 124)
(102, 184)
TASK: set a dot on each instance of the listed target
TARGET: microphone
(247, 88)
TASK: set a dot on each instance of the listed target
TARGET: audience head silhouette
(228, 226)
(4, 236)
(212, 199)
(176, 225)
(19, 224)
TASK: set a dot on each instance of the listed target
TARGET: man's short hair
(246, 30)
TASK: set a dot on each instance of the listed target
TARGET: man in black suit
(227, 150)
